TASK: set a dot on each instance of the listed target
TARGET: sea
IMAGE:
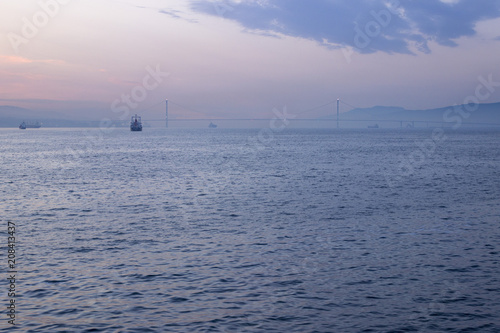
(251, 230)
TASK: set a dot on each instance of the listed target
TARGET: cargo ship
(25, 125)
(135, 124)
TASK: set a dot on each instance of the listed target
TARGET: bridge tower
(338, 109)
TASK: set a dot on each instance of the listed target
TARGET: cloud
(176, 14)
(6, 59)
(392, 26)
(14, 59)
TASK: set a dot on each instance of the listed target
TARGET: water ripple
(213, 235)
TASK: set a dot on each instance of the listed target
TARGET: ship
(212, 125)
(135, 124)
(25, 125)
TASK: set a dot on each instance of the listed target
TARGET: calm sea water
(253, 231)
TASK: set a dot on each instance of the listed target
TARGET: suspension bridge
(333, 118)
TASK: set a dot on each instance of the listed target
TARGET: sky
(99, 59)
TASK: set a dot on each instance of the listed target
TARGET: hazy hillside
(485, 113)
(384, 116)
(12, 116)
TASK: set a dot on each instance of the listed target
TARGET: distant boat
(373, 126)
(135, 124)
(212, 125)
(25, 125)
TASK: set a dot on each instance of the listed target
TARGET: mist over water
(230, 231)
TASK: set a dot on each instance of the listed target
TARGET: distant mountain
(12, 116)
(477, 114)
(17, 112)
(384, 116)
